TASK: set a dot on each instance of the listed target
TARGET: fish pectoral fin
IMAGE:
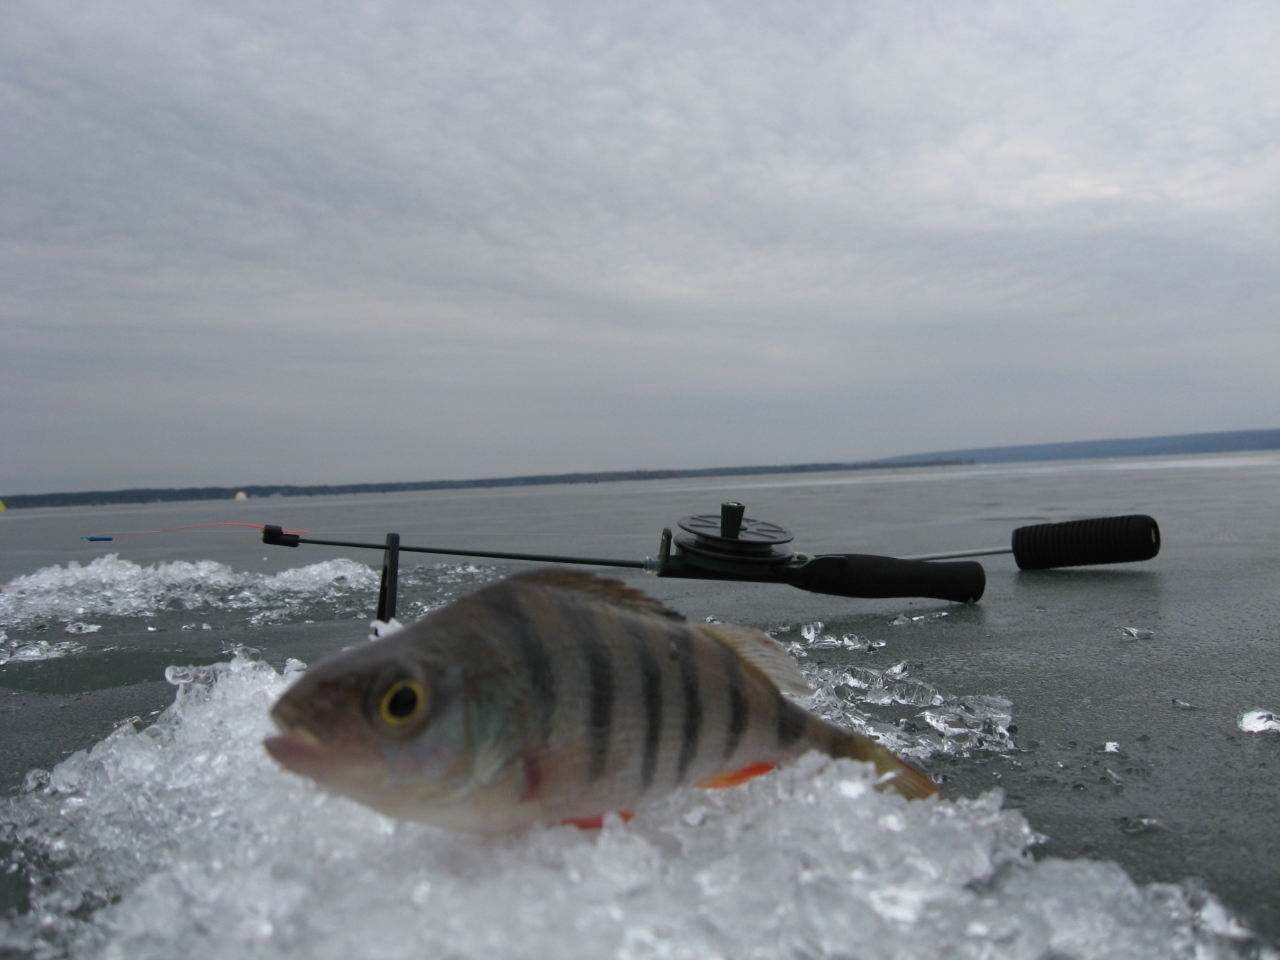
(735, 777)
(596, 822)
(601, 588)
(762, 652)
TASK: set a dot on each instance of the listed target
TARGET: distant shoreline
(1235, 441)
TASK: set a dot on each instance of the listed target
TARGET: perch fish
(554, 696)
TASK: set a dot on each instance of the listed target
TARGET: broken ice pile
(947, 726)
(184, 839)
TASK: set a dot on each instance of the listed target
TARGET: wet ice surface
(183, 838)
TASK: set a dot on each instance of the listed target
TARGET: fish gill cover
(183, 838)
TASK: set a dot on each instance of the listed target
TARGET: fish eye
(403, 701)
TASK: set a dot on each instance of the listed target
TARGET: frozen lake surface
(1102, 735)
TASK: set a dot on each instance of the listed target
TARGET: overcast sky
(247, 242)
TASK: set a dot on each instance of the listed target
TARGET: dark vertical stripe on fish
(651, 691)
(791, 720)
(737, 699)
(837, 740)
(600, 671)
(692, 703)
(509, 609)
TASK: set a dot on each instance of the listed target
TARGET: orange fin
(732, 779)
(596, 822)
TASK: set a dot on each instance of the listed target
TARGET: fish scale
(553, 696)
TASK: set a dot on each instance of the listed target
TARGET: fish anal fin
(596, 822)
(762, 652)
(909, 782)
(601, 588)
(892, 772)
(736, 777)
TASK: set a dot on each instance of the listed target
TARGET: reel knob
(733, 537)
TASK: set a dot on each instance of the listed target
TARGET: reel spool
(734, 538)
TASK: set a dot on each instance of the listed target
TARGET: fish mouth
(301, 752)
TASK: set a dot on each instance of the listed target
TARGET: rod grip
(871, 577)
(1079, 543)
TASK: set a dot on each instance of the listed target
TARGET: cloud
(510, 238)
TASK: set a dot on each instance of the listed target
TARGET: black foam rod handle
(1079, 543)
(860, 575)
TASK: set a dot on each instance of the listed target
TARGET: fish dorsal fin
(762, 652)
(600, 588)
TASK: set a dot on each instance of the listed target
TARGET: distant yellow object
(241, 496)
(2, 506)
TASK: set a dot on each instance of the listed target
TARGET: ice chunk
(902, 619)
(184, 839)
(109, 586)
(1260, 721)
(1136, 633)
(816, 639)
(1214, 918)
(950, 725)
(37, 650)
(180, 676)
(1135, 826)
(972, 723)
(384, 628)
(851, 641)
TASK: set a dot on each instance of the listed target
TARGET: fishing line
(194, 526)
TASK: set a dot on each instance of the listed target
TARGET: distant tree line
(1186, 443)
(94, 498)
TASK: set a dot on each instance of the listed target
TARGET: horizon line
(1227, 441)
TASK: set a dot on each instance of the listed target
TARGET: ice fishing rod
(732, 546)
(109, 537)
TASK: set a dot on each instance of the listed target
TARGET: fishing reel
(732, 546)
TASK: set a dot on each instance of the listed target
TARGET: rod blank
(275, 536)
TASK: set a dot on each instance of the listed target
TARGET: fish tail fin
(895, 773)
